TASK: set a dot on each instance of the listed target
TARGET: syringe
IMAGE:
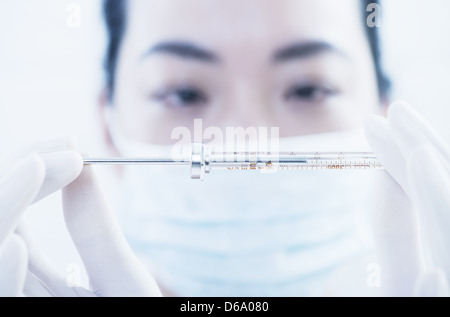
(202, 161)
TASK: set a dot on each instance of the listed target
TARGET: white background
(51, 75)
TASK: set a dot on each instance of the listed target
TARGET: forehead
(225, 23)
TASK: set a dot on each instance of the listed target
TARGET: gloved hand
(412, 216)
(112, 267)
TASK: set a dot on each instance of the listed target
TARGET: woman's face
(303, 66)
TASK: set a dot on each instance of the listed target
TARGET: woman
(309, 68)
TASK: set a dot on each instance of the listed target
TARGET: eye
(310, 93)
(181, 97)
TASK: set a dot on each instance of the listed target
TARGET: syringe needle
(134, 161)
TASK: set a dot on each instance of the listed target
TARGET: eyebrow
(304, 50)
(183, 50)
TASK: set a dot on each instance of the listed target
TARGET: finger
(430, 185)
(60, 144)
(112, 267)
(380, 138)
(17, 190)
(411, 130)
(405, 131)
(42, 273)
(61, 169)
(13, 267)
(396, 234)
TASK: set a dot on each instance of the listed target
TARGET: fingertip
(402, 114)
(381, 139)
(28, 174)
(76, 162)
(87, 172)
(399, 108)
(85, 179)
(75, 159)
(61, 168)
(376, 130)
(374, 123)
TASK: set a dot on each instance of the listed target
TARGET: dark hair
(373, 36)
(115, 14)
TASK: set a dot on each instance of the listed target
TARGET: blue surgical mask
(246, 233)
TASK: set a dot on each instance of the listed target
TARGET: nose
(246, 106)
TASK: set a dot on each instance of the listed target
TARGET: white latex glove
(412, 218)
(112, 267)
